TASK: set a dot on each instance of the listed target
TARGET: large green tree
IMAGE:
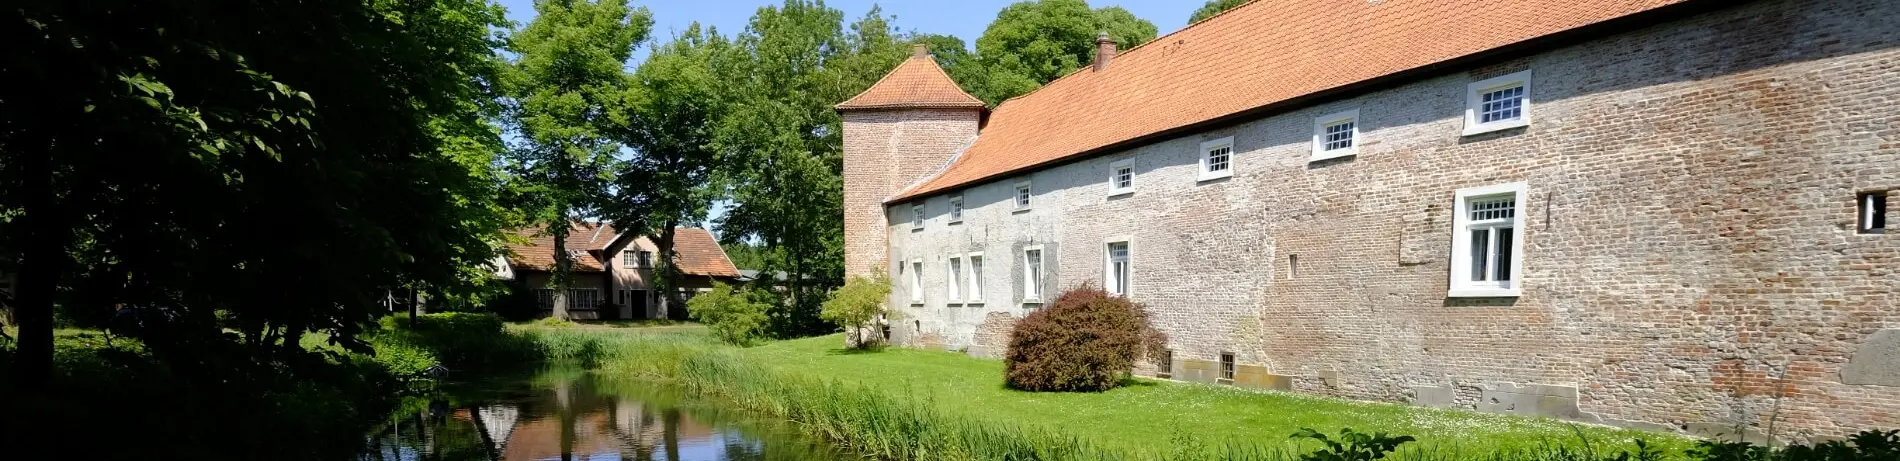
(667, 118)
(226, 176)
(1033, 42)
(1214, 7)
(565, 86)
(785, 72)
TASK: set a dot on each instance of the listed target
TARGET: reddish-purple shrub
(1088, 340)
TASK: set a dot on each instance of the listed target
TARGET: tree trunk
(563, 271)
(414, 305)
(41, 266)
(669, 272)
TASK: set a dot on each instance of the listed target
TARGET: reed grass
(872, 408)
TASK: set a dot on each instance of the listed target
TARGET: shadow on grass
(855, 351)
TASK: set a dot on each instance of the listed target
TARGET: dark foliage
(1865, 446)
(1088, 340)
(254, 170)
(305, 408)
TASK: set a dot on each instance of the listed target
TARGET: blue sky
(964, 19)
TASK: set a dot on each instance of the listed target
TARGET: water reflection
(569, 415)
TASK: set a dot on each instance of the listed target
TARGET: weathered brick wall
(1689, 251)
(886, 151)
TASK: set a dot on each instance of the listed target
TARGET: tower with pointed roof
(908, 125)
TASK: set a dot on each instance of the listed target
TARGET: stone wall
(1689, 250)
(886, 151)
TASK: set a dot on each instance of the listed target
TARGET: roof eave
(1529, 46)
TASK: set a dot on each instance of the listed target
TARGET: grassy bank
(909, 404)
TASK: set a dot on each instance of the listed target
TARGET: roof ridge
(1124, 53)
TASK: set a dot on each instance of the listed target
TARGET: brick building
(1665, 214)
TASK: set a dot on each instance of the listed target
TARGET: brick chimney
(919, 50)
(1104, 51)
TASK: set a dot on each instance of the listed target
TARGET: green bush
(1352, 446)
(855, 304)
(1088, 340)
(734, 315)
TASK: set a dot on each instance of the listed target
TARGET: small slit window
(1032, 274)
(1117, 276)
(1873, 213)
(1165, 367)
(1217, 158)
(976, 277)
(955, 287)
(1227, 366)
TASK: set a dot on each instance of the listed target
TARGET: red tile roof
(1260, 53)
(700, 254)
(916, 83)
(538, 253)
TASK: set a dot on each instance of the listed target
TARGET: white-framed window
(1032, 274)
(955, 288)
(1336, 135)
(636, 259)
(1116, 275)
(1872, 213)
(1498, 103)
(917, 281)
(1023, 194)
(1217, 159)
(1487, 256)
(917, 217)
(1121, 177)
(976, 277)
(577, 298)
(956, 208)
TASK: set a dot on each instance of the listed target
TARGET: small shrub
(856, 304)
(1352, 446)
(733, 315)
(554, 322)
(1088, 340)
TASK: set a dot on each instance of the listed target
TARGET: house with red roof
(1666, 214)
(613, 271)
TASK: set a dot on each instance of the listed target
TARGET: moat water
(564, 414)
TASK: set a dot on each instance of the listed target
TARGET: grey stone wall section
(1876, 362)
(1689, 255)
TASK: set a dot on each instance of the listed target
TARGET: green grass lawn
(1153, 414)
